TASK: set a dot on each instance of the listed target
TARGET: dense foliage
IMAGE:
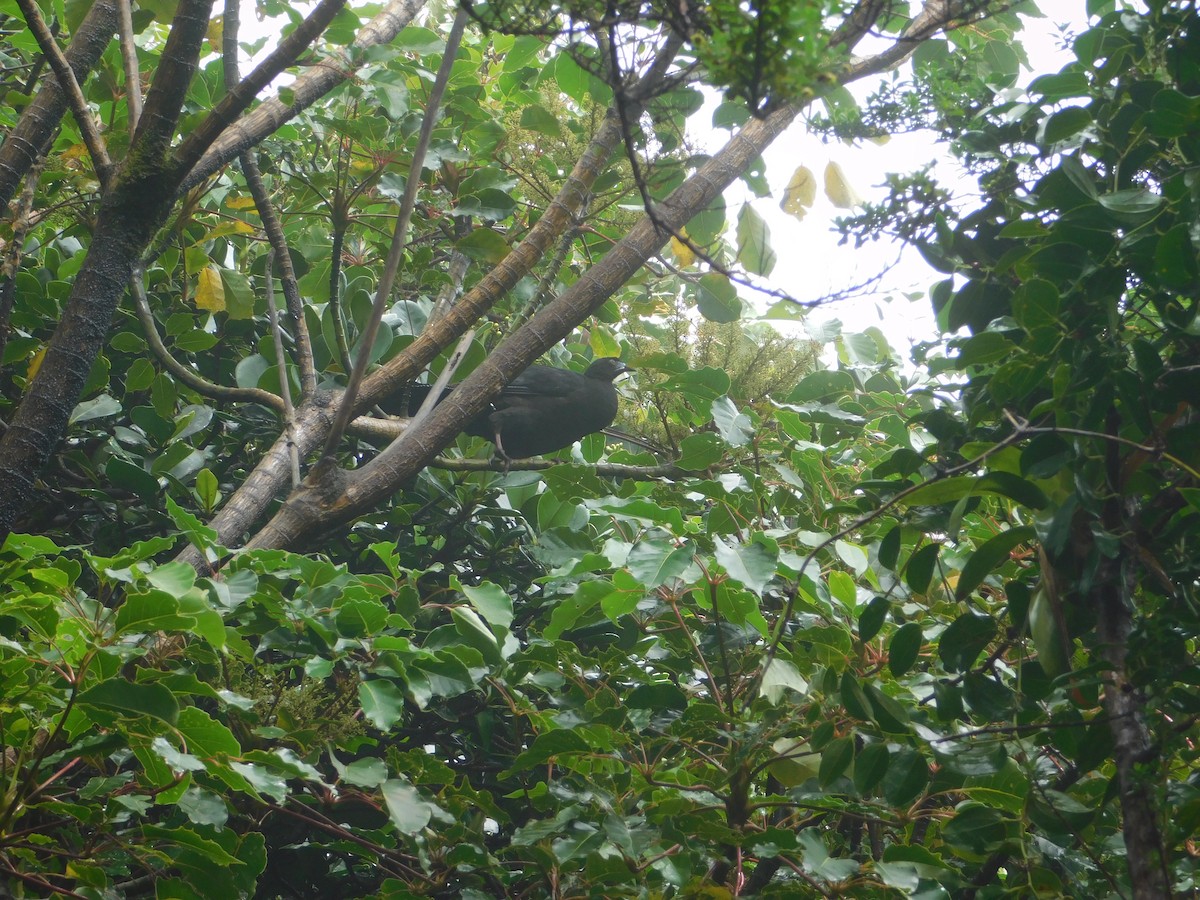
(861, 630)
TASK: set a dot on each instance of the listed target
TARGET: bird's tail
(407, 399)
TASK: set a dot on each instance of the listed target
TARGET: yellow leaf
(684, 255)
(235, 226)
(800, 194)
(240, 202)
(35, 364)
(216, 30)
(838, 189)
(210, 292)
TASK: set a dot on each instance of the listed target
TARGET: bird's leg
(500, 449)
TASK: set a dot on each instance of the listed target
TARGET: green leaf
(1135, 201)
(475, 633)
(754, 242)
(655, 562)
(491, 602)
(780, 676)
(207, 489)
(211, 851)
(367, 773)
(239, 296)
(843, 588)
(381, 701)
(538, 118)
(835, 759)
(407, 810)
(906, 777)
(717, 298)
(127, 698)
(989, 556)
(205, 736)
(889, 547)
(359, 616)
(547, 746)
(752, 564)
(421, 41)
(887, 713)
(131, 478)
(919, 571)
(699, 451)
(964, 639)
(483, 245)
(871, 618)
(853, 697)
(904, 647)
(951, 490)
(150, 611)
(175, 578)
(975, 828)
(735, 427)
(1064, 124)
(99, 408)
(203, 807)
(870, 767)
(571, 608)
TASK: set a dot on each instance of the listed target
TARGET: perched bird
(541, 410)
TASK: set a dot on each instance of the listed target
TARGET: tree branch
(76, 100)
(27, 140)
(306, 90)
(240, 96)
(133, 75)
(188, 376)
(366, 340)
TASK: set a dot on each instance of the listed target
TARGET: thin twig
(285, 386)
(133, 75)
(190, 377)
(278, 242)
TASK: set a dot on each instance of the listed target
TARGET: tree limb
(306, 90)
(66, 79)
(27, 140)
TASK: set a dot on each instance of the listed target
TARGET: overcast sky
(812, 264)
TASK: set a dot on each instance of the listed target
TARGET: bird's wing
(543, 381)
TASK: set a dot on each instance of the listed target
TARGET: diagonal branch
(306, 90)
(366, 340)
(164, 100)
(28, 139)
(350, 494)
(66, 79)
(558, 218)
(239, 98)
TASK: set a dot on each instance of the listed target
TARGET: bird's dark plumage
(541, 410)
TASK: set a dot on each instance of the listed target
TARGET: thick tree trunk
(1113, 598)
(138, 202)
(1132, 747)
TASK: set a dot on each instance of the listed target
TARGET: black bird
(541, 410)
